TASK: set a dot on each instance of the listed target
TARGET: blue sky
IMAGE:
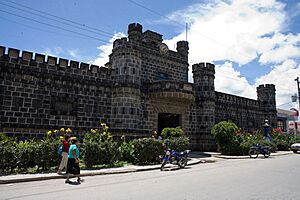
(251, 42)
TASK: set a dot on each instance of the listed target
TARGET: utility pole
(298, 86)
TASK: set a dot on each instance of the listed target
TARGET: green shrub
(99, 148)
(46, 153)
(8, 159)
(177, 144)
(224, 132)
(147, 151)
(6, 140)
(26, 154)
(233, 141)
(126, 150)
(97, 153)
(171, 132)
(225, 135)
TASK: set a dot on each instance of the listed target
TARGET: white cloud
(105, 50)
(230, 81)
(74, 53)
(283, 76)
(56, 51)
(229, 31)
(279, 48)
(241, 31)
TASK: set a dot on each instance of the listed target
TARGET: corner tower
(135, 31)
(266, 99)
(126, 93)
(204, 90)
(183, 49)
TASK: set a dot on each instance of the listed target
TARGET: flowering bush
(100, 134)
(283, 141)
(99, 148)
(233, 141)
(59, 132)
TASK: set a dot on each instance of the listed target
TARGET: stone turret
(204, 75)
(266, 98)
(126, 94)
(183, 49)
(135, 31)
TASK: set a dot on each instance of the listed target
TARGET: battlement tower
(204, 90)
(135, 31)
(183, 49)
(267, 102)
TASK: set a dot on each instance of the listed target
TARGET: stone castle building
(144, 86)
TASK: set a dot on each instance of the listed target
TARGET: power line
(76, 26)
(233, 78)
(43, 30)
(54, 26)
(61, 18)
(284, 104)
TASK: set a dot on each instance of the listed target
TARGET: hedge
(97, 148)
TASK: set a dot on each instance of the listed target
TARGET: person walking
(73, 161)
(266, 131)
(64, 154)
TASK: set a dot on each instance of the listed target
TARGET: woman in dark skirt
(73, 161)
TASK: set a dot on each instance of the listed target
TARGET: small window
(133, 70)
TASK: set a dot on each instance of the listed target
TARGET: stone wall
(244, 112)
(39, 93)
(142, 79)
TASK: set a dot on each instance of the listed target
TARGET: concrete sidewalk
(195, 158)
(127, 169)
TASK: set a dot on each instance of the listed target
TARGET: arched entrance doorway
(168, 120)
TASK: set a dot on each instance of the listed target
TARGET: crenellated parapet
(266, 87)
(152, 41)
(204, 77)
(266, 94)
(17, 59)
(227, 99)
(203, 68)
(119, 42)
(135, 31)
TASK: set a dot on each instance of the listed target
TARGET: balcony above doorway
(172, 90)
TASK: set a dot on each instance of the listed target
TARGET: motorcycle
(171, 156)
(257, 149)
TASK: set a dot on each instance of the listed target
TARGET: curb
(113, 171)
(247, 157)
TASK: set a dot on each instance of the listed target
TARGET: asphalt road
(273, 178)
